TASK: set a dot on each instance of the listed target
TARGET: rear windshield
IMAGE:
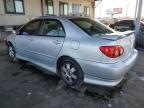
(91, 27)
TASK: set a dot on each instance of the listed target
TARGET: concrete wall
(33, 8)
(81, 3)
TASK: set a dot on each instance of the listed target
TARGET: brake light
(112, 51)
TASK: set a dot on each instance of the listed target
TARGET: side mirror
(13, 31)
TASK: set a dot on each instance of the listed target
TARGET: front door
(24, 39)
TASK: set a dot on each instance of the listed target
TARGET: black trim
(21, 13)
(52, 36)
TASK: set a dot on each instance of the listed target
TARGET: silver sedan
(76, 49)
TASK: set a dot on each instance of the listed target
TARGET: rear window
(91, 27)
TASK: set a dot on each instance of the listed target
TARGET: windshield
(91, 27)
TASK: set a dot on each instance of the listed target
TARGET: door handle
(30, 39)
(57, 42)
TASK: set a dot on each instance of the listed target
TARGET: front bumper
(107, 74)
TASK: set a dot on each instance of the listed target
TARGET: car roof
(59, 17)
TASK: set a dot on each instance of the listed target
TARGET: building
(16, 12)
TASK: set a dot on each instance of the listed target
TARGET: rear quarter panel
(79, 45)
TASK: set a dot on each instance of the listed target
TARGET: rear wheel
(71, 73)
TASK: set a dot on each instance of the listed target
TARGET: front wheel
(71, 73)
(12, 53)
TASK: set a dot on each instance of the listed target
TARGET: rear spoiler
(125, 34)
(117, 35)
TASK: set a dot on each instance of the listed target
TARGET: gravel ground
(25, 86)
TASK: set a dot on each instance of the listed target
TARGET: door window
(52, 28)
(31, 28)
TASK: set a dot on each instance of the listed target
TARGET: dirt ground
(25, 86)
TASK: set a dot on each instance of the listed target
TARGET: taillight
(112, 51)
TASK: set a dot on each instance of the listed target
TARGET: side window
(52, 28)
(31, 28)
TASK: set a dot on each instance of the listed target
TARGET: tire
(71, 73)
(12, 53)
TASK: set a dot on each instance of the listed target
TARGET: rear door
(49, 42)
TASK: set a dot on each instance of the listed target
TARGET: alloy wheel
(11, 53)
(68, 72)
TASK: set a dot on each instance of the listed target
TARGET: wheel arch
(10, 43)
(61, 58)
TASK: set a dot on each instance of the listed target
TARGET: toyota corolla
(76, 49)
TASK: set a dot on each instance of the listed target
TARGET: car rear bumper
(107, 74)
(99, 81)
